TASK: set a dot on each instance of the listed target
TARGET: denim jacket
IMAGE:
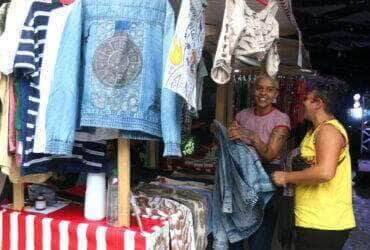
(242, 189)
(110, 65)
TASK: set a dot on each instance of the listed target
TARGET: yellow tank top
(326, 206)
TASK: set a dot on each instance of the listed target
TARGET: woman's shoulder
(279, 113)
(281, 118)
(247, 112)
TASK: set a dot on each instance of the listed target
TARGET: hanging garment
(186, 51)
(242, 190)
(201, 74)
(247, 35)
(52, 40)
(5, 157)
(7, 162)
(9, 40)
(12, 142)
(28, 62)
(122, 47)
(3, 12)
(57, 22)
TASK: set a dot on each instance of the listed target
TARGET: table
(66, 229)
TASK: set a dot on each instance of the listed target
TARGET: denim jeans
(242, 190)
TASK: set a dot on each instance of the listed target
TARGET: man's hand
(280, 178)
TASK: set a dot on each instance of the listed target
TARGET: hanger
(66, 2)
(263, 2)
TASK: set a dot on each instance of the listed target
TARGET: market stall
(67, 94)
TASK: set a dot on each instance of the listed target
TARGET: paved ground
(360, 237)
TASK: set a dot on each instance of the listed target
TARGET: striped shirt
(86, 156)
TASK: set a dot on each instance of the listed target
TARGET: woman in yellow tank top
(323, 194)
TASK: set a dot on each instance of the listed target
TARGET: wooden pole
(221, 104)
(152, 154)
(124, 182)
(230, 104)
(18, 196)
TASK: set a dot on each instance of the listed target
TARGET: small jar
(40, 203)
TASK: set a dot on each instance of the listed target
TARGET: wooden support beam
(230, 104)
(221, 104)
(18, 196)
(124, 182)
(153, 161)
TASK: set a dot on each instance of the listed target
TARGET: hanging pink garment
(11, 121)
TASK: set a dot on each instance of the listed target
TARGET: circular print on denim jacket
(117, 61)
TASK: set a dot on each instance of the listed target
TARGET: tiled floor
(360, 237)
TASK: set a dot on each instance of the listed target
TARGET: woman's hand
(280, 178)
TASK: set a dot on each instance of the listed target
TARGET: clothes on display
(9, 40)
(3, 12)
(27, 64)
(75, 75)
(291, 96)
(186, 51)
(248, 36)
(179, 216)
(191, 199)
(125, 98)
(51, 46)
(57, 122)
(205, 192)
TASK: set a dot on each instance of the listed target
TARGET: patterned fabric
(122, 81)
(186, 51)
(179, 217)
(192, 200)
(247, 35)
(206, 194)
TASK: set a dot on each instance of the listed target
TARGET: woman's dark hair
(330, 90)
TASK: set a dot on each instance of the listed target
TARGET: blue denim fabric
(171, 116)
(242, 190)
(117, 50)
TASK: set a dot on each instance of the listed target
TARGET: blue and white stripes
(86, 156)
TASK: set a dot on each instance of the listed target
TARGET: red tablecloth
(66, 229)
